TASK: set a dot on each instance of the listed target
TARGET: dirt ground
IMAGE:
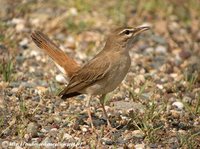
(156, 106)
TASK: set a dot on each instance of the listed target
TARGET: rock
(48, 142)
(187, 99)
(53, 132)
(138, 134)
(41, 90)
(57, 119)
(27, 137)
(18, 147)
(32, 129)
(14, 84)
(140, 146)
(184, 54)
(123, 105)
(161, 49)
(5, 144)
(107, 141)
(14, 90)
(60, 78)
(178, 104)
(149, 50)
(158, 39)
(66, 136)
(175, 114)
(24, 43)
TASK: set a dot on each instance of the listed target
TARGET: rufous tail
(65, 63)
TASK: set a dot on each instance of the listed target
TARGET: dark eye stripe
(126, 31)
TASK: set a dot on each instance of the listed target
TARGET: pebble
(32, 129)
(60, 78)
(178, 104)
(184, 54)
(159, 86)
(14, 84)
(139, 79)
(66, 136)
(149, 50)
(187, 99)
(57, 119)
(161, 49)
(158, 39)
(5, 144)
(107, 141)
(175, 114)
(23, 43)
(14, 90)
(84, 129)
(18, 147)
(53, 132)
(27, 137)
(138, 134)
(48, 143)
(140, 146)
(27, 85)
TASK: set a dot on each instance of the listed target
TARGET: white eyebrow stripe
(130, 29)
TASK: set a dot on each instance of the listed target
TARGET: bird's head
(125, 36)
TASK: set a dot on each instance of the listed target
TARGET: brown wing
(58, 56)
(95, 70)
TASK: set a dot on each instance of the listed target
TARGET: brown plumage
(107, 69)
(59, 57)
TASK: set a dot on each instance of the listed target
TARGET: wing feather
(92, 72)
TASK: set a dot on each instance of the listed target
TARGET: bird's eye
(127, 32)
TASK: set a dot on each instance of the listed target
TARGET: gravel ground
(156, 106)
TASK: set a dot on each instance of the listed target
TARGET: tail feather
(59, 57)
(65, 96)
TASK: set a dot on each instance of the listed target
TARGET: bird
(102, 74)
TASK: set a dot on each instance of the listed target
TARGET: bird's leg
(102, 98)
(89, 110)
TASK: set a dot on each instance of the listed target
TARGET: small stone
(149, 50)
(34, 53)
(175, 114)
(161, 49)
(140, 146)
(66, 136)
(27, 137)
(14, 90)
(60, 78)
(57, 119)
(159, 86)
(185, 54)
(24, 43)
(41, 89)
(178, 104)
(107, 141)
(73, 11)
(138, 134)
(18, 147)
(43, 130)
(84, 129)
(137, 90)
(53, 132)
(5, 144)
(139, 79)
(187, 99)
(32, 129)
(48, 141)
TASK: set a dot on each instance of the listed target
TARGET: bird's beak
(140, 29)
